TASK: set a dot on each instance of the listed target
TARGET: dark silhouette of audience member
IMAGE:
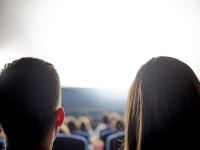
(30, 104)
(72, 123)
(163, 107)
(114, 117)
(103, 124)
(85, 125)
(119, 125)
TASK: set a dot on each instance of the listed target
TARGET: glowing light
(101, 43)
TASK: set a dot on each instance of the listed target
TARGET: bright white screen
(100, 43)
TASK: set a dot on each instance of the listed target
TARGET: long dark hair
(163, 106)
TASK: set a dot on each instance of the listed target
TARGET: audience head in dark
(119, 125)
(83, 127)
(30, 104)
(72, 123)
(105, 118)
(163, 107)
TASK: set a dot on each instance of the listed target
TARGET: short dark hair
(29, 96)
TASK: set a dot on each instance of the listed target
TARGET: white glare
(100, 43)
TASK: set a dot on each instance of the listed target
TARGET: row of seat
(70, 142)
(77, 142)
(115, 141)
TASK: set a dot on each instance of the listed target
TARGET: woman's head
(164, 100)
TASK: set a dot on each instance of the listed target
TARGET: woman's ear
(60, 115)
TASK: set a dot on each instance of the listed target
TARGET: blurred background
(98, 46)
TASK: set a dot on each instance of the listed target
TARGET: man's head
(30, 100)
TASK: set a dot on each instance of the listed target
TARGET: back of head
(119, 125)
(105, 118)
(72, 123)
(84, 123)
(163, 106)
(30, 95)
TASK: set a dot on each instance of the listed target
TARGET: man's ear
(60, 115)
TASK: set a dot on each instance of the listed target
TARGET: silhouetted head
(72, 123)
(85, 124)
(163, 107)
(30, 97)
(119, 125)
(105, 118)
